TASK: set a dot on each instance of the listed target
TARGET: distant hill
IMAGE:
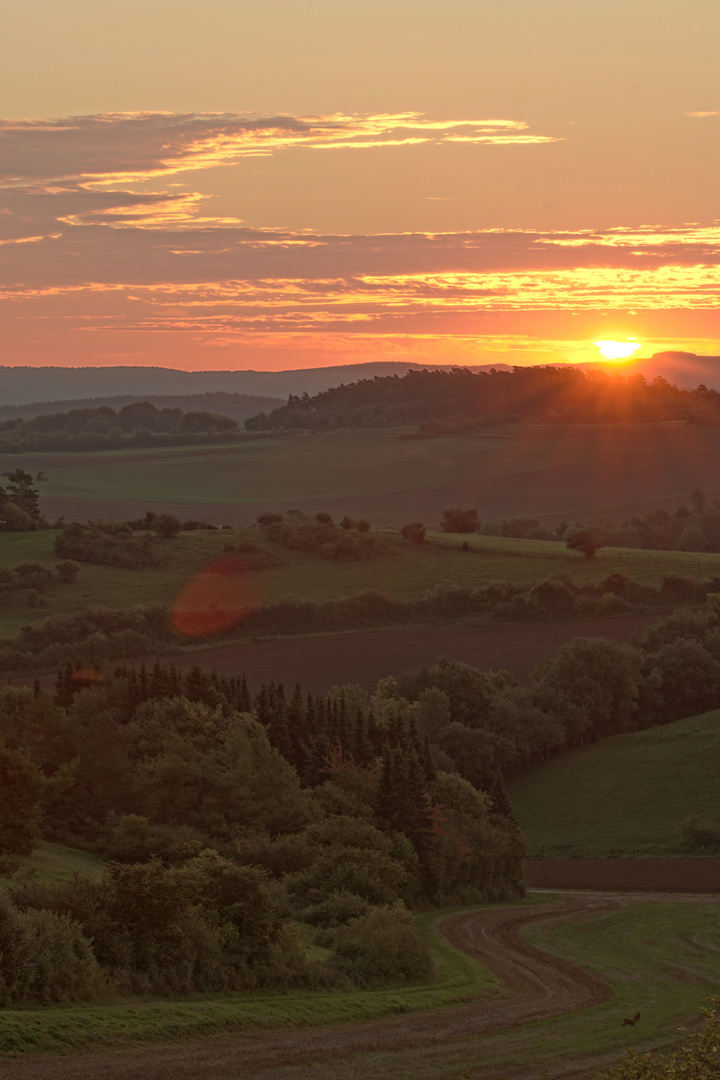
(457, 402)
(237, 406)
(88, 386)
(27, 385)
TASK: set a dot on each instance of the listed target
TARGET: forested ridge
(456, 401)
(103, 428)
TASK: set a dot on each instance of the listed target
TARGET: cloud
(700, 115)
(119, 148)
(86, 250)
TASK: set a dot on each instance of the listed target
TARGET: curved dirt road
(540, 985)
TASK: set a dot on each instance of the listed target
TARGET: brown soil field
(700, 875)
(325, 660)
(539, 986)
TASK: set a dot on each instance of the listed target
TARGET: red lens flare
(219, 597)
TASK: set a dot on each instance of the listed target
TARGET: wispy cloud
(86, 250)
(125, 147)
(702, 113)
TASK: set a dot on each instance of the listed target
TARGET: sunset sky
(296, 183)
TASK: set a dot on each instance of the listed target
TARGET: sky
(300, 183)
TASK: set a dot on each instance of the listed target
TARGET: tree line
(456, 401)
(104, 428)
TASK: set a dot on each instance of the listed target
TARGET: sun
(617, 350)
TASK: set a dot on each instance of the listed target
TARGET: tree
(459, 521)
(22, 493)
(166, 526)
(21, 792)
(584, 540)
(414, 532)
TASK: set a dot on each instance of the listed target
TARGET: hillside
(627, 793)
(458, 401)
(236, 406)
(545, 471)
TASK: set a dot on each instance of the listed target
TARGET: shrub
(107, 543)
(44, 957)
(33, 575)
(67, 571)
(700, 835)
(166, 526)
(459, 521)
(414, 532)
(381, 947)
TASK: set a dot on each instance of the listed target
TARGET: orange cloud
(120, 148)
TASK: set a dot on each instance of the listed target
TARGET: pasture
(391, 477)
(405, 571)
(627, 794)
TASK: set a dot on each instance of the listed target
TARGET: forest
(223, 815)
(457, 401)
(103, 428)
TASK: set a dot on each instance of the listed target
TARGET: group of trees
(29, 580)
(223, 814)
(318, 534)
(138, 424)
(455, 400)
(689, 528)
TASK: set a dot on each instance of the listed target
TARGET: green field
(404, 572)
(627, 793)
(54, 862)
(551, 470)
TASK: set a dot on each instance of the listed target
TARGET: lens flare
(617, 350)
(219, 597)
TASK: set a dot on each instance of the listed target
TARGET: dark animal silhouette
(631, 1023)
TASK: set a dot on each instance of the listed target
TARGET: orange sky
(286, 185)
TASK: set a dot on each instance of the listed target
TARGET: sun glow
(617, 350)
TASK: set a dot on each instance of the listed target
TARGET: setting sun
(617, 350)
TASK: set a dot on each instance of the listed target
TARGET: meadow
(405, 571)
(390, 476)
(627, 794)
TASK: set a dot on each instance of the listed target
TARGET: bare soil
(539, 986)
(320, 661)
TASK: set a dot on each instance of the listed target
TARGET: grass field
(54, 862)
(627, 793)
(406, 571)
(549, 470)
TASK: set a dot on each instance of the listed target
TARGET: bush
(459, 521)
(107, 543)
(414, 532)
(700, 835)
(67, 571)
(166, 526)
(381, 947)
(32, 575)
(44, 957)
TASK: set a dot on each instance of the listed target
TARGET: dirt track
(540, 986)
